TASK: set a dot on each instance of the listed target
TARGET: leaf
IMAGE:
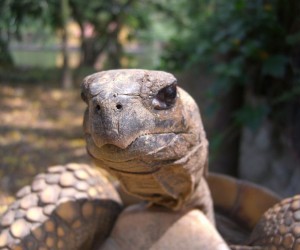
(216, 141)
(251, 116)
(275, 66)
(293, 39)
(240, 5)
(287, 95)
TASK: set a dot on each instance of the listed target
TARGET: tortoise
(147, 133)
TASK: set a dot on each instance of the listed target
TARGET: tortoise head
(137, 123)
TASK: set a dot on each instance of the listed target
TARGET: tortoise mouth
(134, 141)
(134, 172)
(146, 155)
(142, 148)
(138, 170)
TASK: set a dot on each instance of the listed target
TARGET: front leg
(68, 207)
(142, 227)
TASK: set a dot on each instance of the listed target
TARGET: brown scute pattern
(62, 209)
(279, 228)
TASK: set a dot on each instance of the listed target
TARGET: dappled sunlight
(40, 126)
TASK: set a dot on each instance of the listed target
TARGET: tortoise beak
(119, 122)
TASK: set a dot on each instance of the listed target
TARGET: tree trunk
(226, 159)
(115, 48)
(66, 71)
(89, 54)
(6, 59)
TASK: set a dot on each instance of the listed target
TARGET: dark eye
(166, 97)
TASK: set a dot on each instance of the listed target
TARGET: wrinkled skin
(148, 133)
(158, 143)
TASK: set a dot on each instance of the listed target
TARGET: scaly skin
(61, 209)
(279, 228)
(274, 224)
(159, 151)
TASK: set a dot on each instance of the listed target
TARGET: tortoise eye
(165, 98)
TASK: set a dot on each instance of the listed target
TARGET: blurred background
(239, 59)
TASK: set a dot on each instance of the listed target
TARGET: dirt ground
(40, 126)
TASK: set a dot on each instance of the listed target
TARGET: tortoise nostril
(98, 108)
(119, 106)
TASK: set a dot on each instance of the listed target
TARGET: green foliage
(107, 18)
(13, 14)
(248, 43)
(252, 115)
(275, 66)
